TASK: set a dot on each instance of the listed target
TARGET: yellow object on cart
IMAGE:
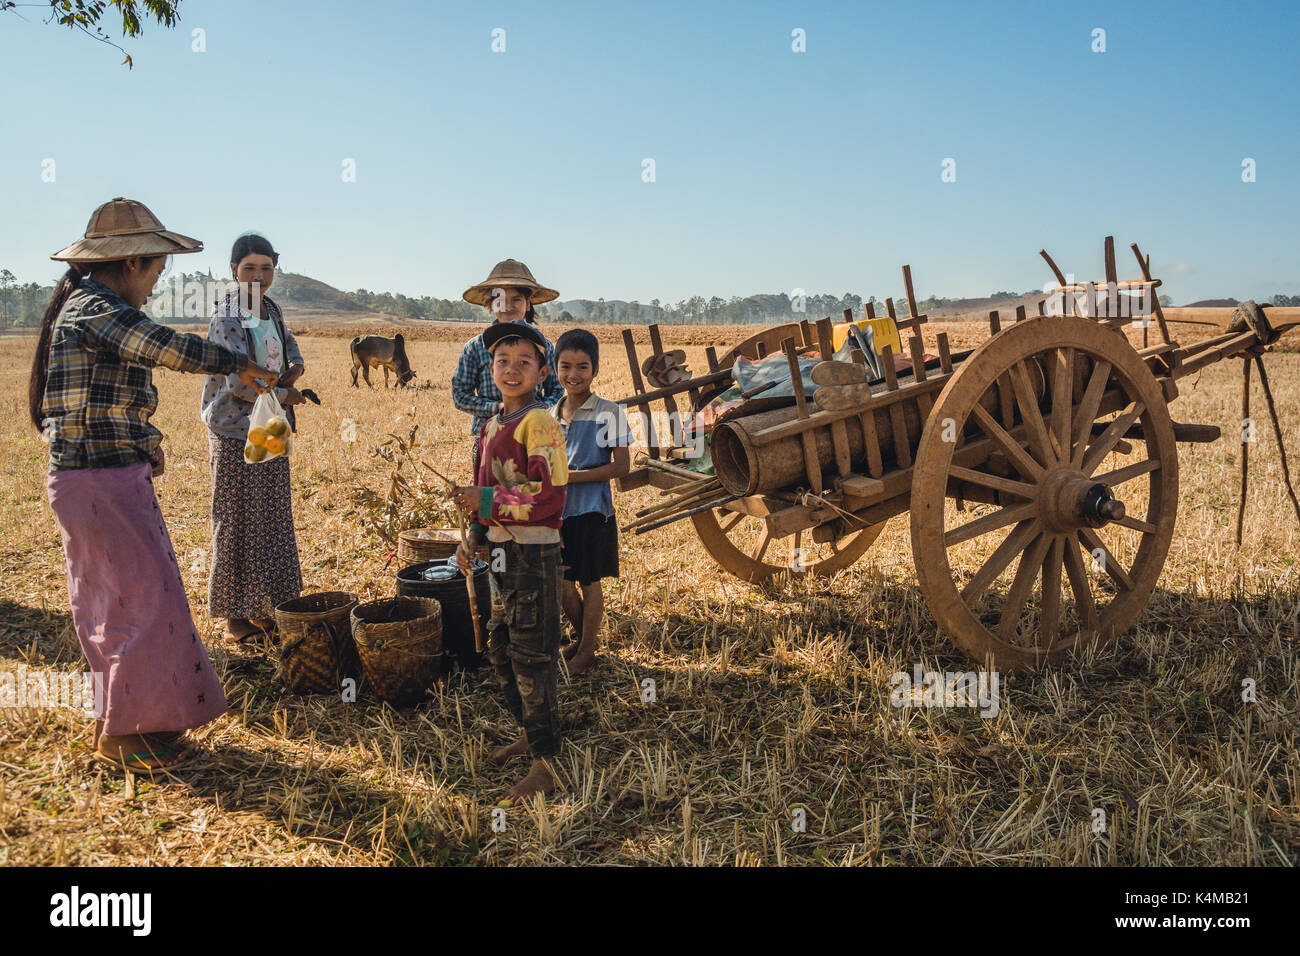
(883, 328)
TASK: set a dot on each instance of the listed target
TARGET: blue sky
(774, 170)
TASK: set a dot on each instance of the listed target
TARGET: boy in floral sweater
(521, 469)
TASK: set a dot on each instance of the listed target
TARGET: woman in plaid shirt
(91, 395)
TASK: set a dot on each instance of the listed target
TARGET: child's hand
(467, 497)
(464, 556)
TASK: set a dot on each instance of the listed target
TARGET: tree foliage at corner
(88, 16)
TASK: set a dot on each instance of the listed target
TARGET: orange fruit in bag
(274, 445)
(257, 435)
(277, 427)
(254, 452)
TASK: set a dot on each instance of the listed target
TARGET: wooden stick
(678, 501)
(674, 470)
(945, 356)
(839, 430)
(1245, 445)
(812, 466)
(651, 439)
(686, 514)
(1277, 432)
(1145, 265)
(469, 575)
(1060, 279)
(911, 296)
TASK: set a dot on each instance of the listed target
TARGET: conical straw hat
(509, 273)
(122, 228)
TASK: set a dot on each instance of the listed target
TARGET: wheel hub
(1070, 500)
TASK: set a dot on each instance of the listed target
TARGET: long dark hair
(68, 282)
(41, 360)
(252, 244)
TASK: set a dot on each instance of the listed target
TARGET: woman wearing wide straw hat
(509, 294)
(254, 551)
(91, 394)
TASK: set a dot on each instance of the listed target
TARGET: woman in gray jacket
(254, 552)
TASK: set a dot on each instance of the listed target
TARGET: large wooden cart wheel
(1086, 522)
(741, 545)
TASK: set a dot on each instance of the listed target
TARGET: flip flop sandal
(139, 758)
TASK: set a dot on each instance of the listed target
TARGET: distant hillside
(1213, 304)
(299, 293)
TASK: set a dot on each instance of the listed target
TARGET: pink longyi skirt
(128, 602)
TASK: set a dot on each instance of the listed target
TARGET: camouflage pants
(524, 638)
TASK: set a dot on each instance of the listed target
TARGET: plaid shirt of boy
(474, 392)
(99, 395)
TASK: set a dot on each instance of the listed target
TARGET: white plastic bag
(269, 434)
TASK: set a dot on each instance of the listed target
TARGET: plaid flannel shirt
(474, 392)
(100, 395)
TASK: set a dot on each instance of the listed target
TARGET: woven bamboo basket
(316, 649)
(426, 544)
(399, 642)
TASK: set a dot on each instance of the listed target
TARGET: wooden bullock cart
(1040, 469)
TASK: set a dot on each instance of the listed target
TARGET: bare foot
(516, 749)
(238, 630)
(539, 780)
(581, 662)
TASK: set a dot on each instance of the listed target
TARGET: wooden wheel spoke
(1062, 399)
(797, 563)
(1050, 614)
(1031, 415)
(1137, 524)
(1031, 562)
(984, 479)
(1080, 585)
(764, 540)
(1013, 544)
(1023, 462)
(990, 522)
(731, 522)
(1110, 437)
(1109, 563)
(1129, 472)
(1087, 410)
(1035, 403)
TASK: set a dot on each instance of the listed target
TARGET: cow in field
(372, 351)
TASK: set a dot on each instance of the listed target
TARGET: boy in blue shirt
(597, 439)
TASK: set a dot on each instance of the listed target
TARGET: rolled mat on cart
(399, 641)
(316, 649)
(448, 589)
(747, 467)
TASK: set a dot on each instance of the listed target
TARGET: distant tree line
(747, 310)
(22, 304)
